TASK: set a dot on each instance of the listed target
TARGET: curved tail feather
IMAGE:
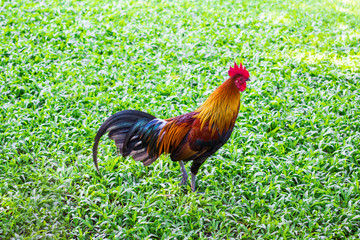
(135, 134)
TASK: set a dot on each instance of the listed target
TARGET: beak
(248, 80)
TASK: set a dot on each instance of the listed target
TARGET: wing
(200, 143)
(174, 132)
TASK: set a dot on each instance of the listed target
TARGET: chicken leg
(184, 173)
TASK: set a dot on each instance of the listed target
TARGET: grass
(290, 170)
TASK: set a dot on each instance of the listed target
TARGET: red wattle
(241, 86)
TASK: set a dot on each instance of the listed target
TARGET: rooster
(194, 136)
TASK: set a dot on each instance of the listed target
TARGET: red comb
(238, 70)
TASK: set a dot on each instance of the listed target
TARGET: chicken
(194, 136)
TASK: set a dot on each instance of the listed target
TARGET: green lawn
(291, 169)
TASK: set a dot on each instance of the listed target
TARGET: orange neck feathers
(221, 108)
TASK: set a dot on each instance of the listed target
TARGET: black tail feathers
(135, 134)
